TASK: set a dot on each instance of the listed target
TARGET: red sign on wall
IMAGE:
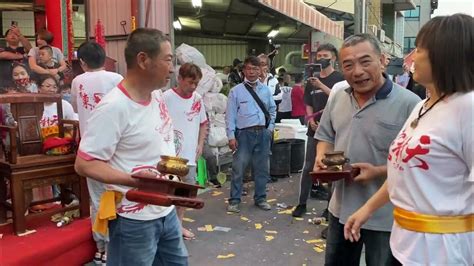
(305, 50)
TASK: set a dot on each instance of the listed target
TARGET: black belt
(253, 128)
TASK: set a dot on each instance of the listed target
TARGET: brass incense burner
(166, 191)
(173, 165)
(338, 167)
(335, 160)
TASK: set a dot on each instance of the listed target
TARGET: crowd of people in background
(40, 69)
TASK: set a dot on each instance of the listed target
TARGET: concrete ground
(281, 240)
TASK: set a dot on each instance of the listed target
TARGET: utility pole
(360, 16)
(141, 13)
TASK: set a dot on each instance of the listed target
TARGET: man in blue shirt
(249, 137)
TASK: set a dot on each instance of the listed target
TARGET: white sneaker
(98, 258)
(74, 202)
(104, 259)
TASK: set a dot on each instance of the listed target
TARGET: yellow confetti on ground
(271, 232)
(319, 250)
(189, 220)
(299, 219)
(209, 228)
(216, 193)
(271, 200)
(312, 241)
(243, 218)
(321, 245)
(285, 212)
(269, 238)
(305, 232)
(228, 256)
(258, 226)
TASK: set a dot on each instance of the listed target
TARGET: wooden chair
(27, 167)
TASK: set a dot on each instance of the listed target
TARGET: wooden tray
(325, 176)
(165, 192)
(160, 199)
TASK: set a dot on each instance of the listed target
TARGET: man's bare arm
(6, 55)
(103, 172)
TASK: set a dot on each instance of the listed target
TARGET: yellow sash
(106, 211)
(433, 224)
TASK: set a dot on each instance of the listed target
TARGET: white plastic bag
(217, 137)
(215, 102)
(188, 54)
(217, 120)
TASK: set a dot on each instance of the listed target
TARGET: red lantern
(99, 34)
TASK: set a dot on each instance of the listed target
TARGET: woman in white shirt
(429, 168)
(49, 85)
(49, 127)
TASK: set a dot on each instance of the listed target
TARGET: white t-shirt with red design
(430, 172)
(88, 89)
(188, 115)
(130, 136)
(50, 114)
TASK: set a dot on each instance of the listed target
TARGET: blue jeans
(253, 145)
(341, 252)
(143, 243)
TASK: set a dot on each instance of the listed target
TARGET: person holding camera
(315, 97)
(15, 51)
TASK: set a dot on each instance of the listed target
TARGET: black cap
(237, 62)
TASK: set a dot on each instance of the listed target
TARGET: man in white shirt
(187, 111)
(127, 133)
(87, 90)
(268, 79)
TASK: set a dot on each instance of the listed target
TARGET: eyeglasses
(252, 68)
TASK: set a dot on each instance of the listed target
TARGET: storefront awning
(305, 14)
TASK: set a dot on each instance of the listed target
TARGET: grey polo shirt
(365, 135)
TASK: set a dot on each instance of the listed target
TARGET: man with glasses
(250, 129)
(268, 79)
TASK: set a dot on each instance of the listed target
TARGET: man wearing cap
(235, 76)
